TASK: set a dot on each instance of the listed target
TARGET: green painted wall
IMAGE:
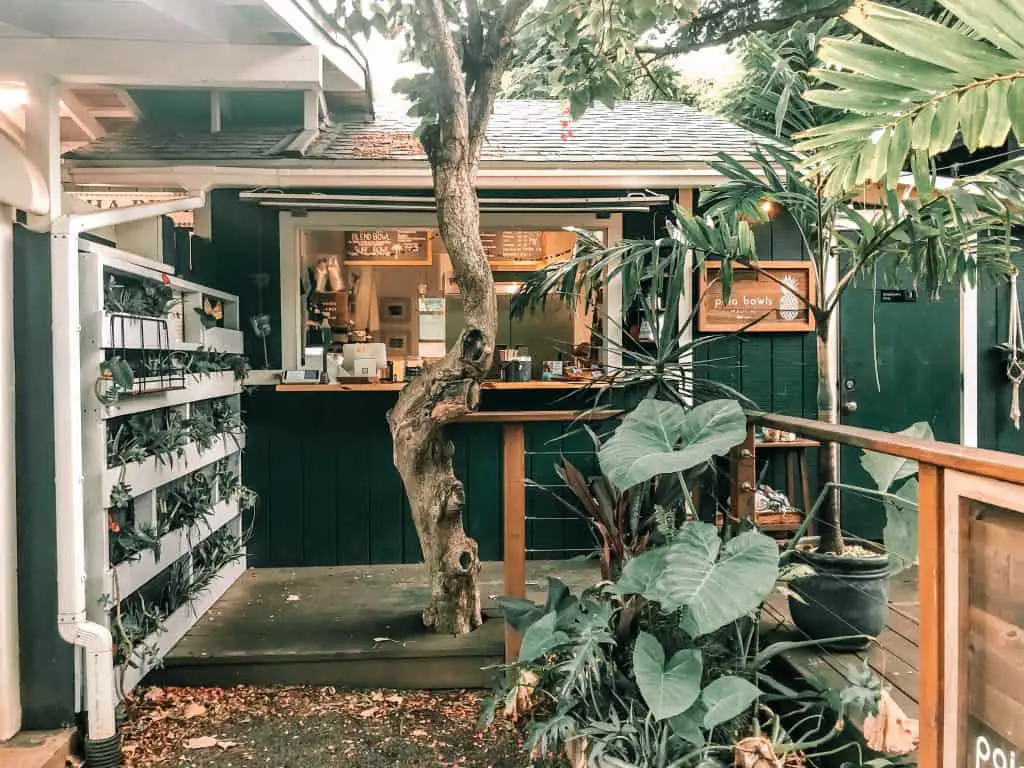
(47, 662)
(329, 493)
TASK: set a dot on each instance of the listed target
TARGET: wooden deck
(350, 626)
(894, 656)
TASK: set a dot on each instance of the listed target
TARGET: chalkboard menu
(514, 245)
(371, 247)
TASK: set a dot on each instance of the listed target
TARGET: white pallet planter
(150, 474)
(181, 621)
(198, 386)
(133, 574)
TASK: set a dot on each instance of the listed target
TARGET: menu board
(770, 298)
(371, 247)
(514, 245)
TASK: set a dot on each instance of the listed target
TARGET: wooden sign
(982, 642)
(766, 299)
(396, 247)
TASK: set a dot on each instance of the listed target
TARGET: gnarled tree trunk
(447, 390)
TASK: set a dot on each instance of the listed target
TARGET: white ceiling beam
(310, 31)
(12, 129)
(202, 16)
(129, 104)
(160, 64)
(83, 118)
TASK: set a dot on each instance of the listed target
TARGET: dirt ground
(309, 727)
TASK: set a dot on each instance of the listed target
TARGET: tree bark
(447, 390)
(828, 522)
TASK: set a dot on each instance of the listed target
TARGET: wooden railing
(971, 586)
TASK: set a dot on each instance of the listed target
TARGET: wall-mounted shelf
(153, 473)
(205, 386)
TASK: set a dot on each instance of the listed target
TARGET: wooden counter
(387, 386)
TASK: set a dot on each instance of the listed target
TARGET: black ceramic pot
(845, 596)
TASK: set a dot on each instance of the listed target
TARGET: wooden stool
(793, 453)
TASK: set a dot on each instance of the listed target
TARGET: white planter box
(182, 620)
(133, 332)
(148, 475)
(197, 387)
(131, 575)
(223, 340)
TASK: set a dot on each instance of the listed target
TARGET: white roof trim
(555, 177)
(22, 186)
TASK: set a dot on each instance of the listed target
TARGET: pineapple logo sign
(789, 303)
(769, 298)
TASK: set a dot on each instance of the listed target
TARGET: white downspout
(73, 626)
(10, 685)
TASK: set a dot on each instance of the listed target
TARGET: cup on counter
(398, 369)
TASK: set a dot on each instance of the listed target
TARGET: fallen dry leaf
(891, 730)
(395, 699)
(292, 598)
(419, 733)
(154, 694)
(192, 709)
(201, 742)
(368, 712)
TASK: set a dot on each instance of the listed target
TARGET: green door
(916, 353)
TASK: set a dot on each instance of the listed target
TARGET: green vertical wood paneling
(46, 661)
(354, 470)
(320, 484)
(289, 421)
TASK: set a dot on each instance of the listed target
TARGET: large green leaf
(541, 638)
(669, 689)
(726, 698)
(689, 574)
(659, 438)
(901, 527)
(885, 469)
(688, 725)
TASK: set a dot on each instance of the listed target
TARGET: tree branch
(453, 113)
(706, 31)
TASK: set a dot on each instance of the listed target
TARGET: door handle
(850, 406)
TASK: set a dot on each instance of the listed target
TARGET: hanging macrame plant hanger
(1015, 352)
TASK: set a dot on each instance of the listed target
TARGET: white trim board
(149, 475)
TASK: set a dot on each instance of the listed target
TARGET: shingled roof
(528, 131)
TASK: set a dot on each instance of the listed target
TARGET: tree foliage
(914, 86)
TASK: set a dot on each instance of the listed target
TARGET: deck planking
(894, 655)
(351, 626)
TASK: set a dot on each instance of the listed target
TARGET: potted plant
(847, 593)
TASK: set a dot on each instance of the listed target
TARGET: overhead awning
(615, 202)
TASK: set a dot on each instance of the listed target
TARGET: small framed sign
(391, 247)
(767, 299)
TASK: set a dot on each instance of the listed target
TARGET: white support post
(10, 681)
(311, 109)
(215, 110)
(42, 136)
(613, 315)
(969, 366)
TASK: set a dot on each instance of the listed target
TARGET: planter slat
(148, 475)
(132, 575)
(197, 387)
(182, 620)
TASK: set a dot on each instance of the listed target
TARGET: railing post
(514, 498)
(930, 593)
(744, 479)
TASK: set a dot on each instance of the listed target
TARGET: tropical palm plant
(916, 86)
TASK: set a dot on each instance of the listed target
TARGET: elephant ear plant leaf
(727, 698)
(900, 503)
(690, 574)
(669, 689)
(661, 438)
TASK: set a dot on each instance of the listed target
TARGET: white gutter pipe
(72, 624)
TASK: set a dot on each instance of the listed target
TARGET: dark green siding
(47, 662)
(778, 371)
(329, 493)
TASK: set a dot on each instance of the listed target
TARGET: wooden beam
(83, 118)
(128, 63)
(744, 479)
(129, 103)
(930, 594)
(514, 515)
